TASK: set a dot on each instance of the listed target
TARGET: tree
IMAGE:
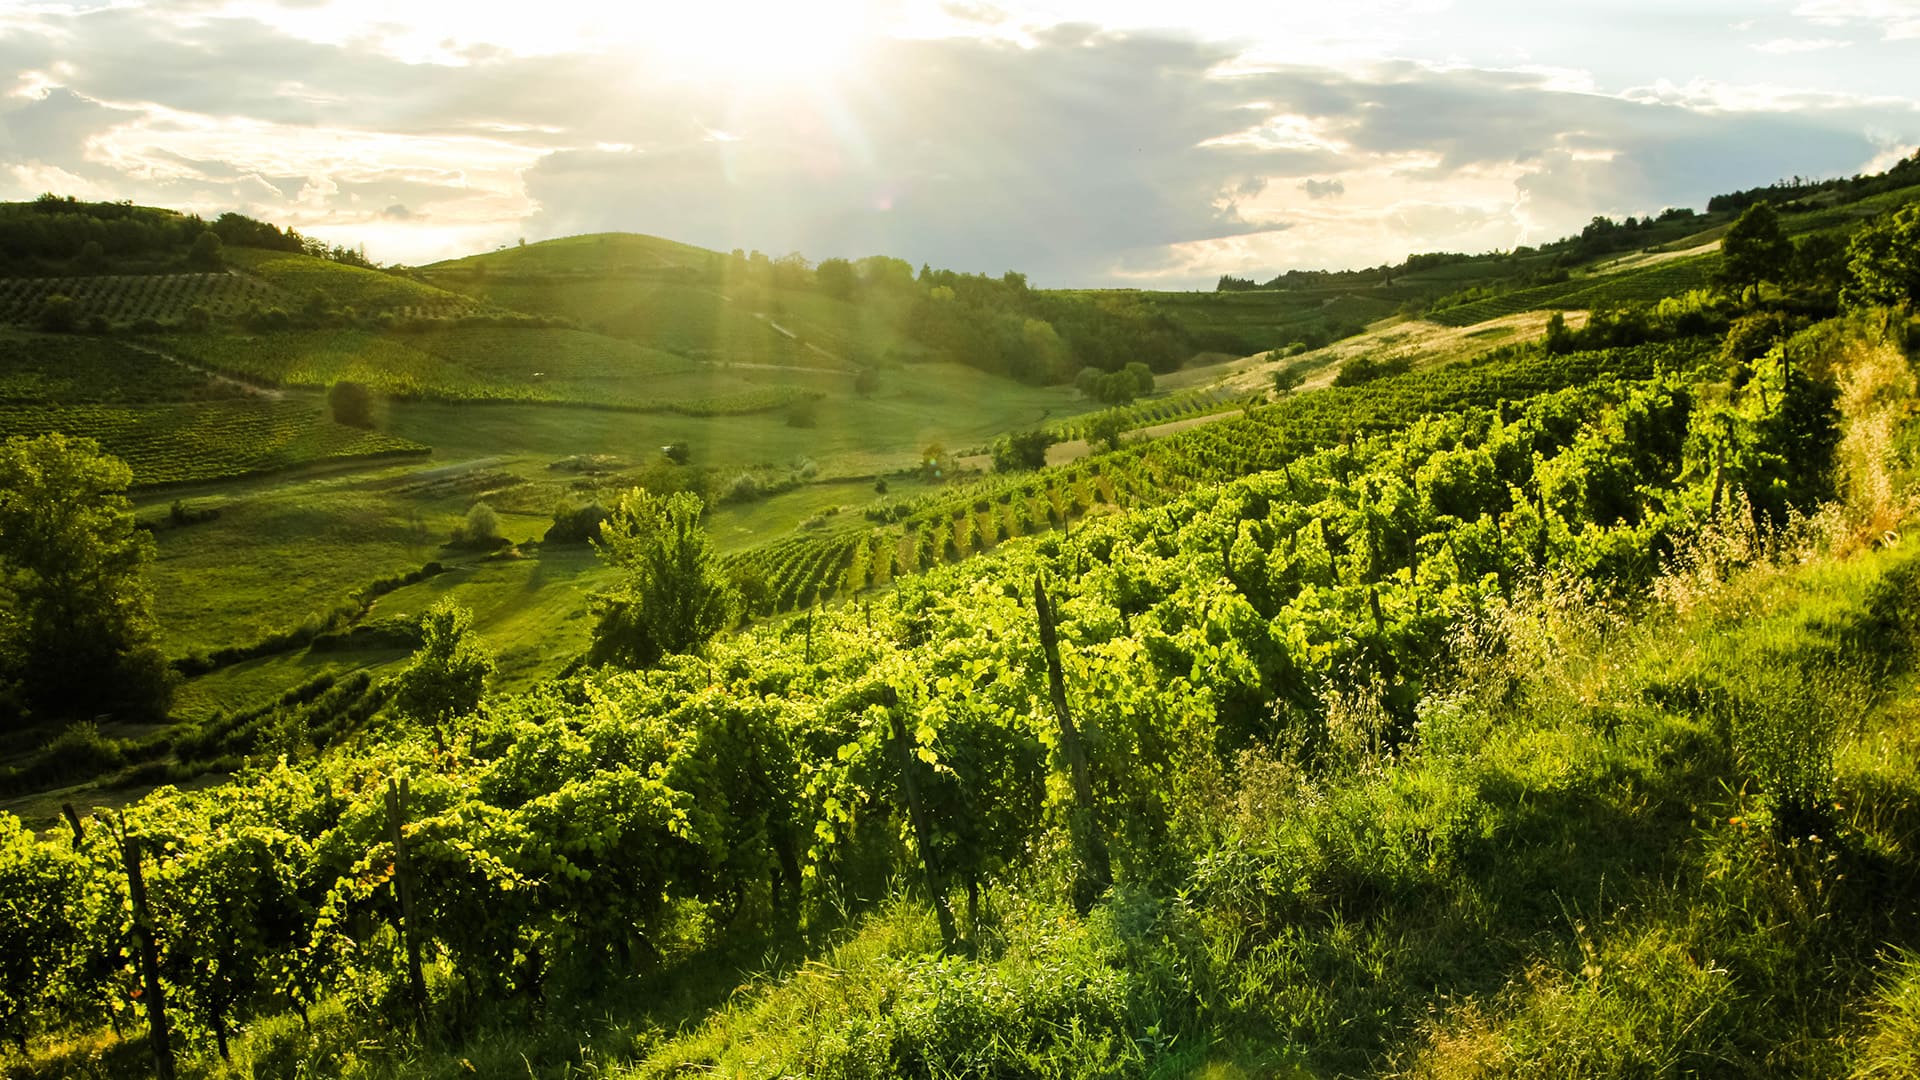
(449, 672)
(1755, 249)
(1287, 379)
(483, 525)
(836, 278)
(76, 623)
(206, 250)
(1022, 450)
(673, 595)
(1105, 429)
(1883, 261)
(350, 402)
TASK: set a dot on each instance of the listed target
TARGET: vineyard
(125, 299)
(172, 444)
(368, 292)
(1144, 414)
(1646, 284)
(1161, 780)
(45, 369)
(799, 571)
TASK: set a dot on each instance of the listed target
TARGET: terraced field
(124, 299)
(172, 444)
(46, 369)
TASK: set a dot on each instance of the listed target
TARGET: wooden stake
(403, 884)
(1095, 871)
(922, 829)
(159, 1035)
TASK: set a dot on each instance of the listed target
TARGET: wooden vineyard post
(1094, 873)
(917, 813)
(403, 884)
(159, 1036)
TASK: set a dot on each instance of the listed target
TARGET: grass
(594, 253)
(487, 365)
(852, 435)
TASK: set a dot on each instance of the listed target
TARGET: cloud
(1788, 46)
(1896, 20)
(1076, 154)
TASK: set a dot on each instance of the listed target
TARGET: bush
(351, 404)
(59, 315)
(483, 525)
(80, 751)
(1022, 450)
(575, 524)
(206, 251)
(1366, 369)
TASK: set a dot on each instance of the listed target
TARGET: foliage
(351, 404)
(76, 626)
(59, 314)
(449, 672)
(1755, 249)
(1022, 450)
(672, 596)
(1883, 261)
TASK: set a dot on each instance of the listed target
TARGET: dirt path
(271, 393)
(791, 336)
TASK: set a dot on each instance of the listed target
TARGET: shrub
(1022, 450)
(351, 404)
(483, 525)
(59, 315)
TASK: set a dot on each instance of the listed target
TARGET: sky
(1083, 142)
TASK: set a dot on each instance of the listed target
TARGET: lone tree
(449, 673)
(1755, 249)
(76, 622)
(673, 595)
(350, 402)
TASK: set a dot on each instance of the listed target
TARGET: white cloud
(1896, 20)
(1787, 46)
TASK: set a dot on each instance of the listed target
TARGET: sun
(751, 42)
